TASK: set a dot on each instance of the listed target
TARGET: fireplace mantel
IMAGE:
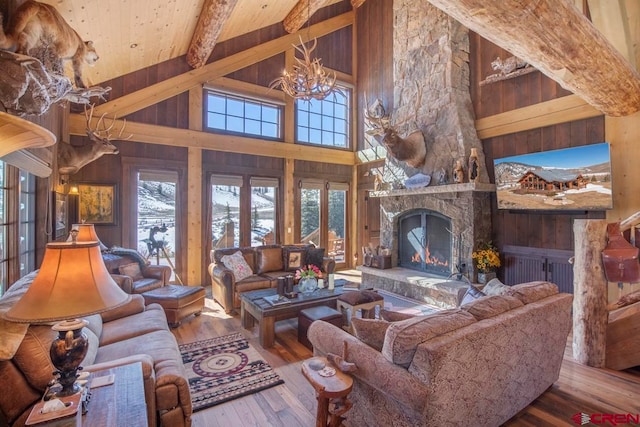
(437, 189)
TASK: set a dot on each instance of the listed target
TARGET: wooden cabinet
(524, 264)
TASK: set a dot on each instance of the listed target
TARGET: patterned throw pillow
(294, 258)
(472, 294)
(236, 263)
(132, 270)
(495, 287)
(370, 331)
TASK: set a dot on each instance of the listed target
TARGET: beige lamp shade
(72, 282)
(86, 233)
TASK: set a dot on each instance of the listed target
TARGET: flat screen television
(571, 179)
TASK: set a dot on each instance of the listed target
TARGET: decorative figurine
(474, 165)
(458, 172)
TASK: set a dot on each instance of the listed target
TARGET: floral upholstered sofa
(478, 365)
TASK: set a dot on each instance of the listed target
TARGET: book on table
(277, 299)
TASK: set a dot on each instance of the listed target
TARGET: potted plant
(486, 260)
(308, 278)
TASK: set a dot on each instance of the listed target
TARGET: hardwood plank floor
(579, 389)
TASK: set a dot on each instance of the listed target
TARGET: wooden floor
(579, 389)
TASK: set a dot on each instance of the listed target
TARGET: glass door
(225, 211)
(157, 217)
(337, 221)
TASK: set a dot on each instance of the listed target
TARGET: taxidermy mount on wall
(72, 158)
(36, 25)
(411, 149)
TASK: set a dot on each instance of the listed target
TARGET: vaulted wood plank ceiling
(131, 35)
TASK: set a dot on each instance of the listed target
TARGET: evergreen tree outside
(337, 209)
(309, 211)
(228, 212)
(254, 217)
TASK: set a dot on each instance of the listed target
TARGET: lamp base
(67, 352)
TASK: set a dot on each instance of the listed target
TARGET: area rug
(225, 368)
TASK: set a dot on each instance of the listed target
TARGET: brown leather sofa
(267, 263)
(128, 334)
(152, 276)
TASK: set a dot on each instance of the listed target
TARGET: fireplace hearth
(435, 229)
(425, 242)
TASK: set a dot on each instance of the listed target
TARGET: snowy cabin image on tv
(577, 178)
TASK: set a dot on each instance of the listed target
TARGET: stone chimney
(431, 88)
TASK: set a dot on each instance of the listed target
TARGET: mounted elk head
(72, 158)
(410, 149)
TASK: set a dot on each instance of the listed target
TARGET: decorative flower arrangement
(486, 258)
(308, 272)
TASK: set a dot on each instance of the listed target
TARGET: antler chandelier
(308, 79)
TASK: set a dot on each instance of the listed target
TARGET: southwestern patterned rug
(225, 368)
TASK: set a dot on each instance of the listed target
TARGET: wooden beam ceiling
(357, 3)
(213, 16)
(166, 89)
(301, 13)
(611, 18)
(561, 42)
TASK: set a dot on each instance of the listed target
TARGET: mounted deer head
(411, 149)
(72, 158)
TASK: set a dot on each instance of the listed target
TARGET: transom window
(241, 115)
(324, 122)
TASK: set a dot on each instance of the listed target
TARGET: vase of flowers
(486, 260)
(308, 278)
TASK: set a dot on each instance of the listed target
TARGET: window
(263, 211)
(337, 221)
(324, 122)
(27, 223)
(247, 116)
(225, 211)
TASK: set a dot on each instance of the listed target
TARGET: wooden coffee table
(255, 308)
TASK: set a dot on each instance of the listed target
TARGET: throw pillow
(315, 256)
(491, 306)
(628, 299)
(370, 331)
(472, 294)
(236, 263)
(294, 258)
(495, 287)
(132, 270)
(533, 291)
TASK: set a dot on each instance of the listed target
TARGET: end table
(331, 393)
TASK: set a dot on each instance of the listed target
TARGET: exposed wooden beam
(357, 3)
(561, 42)
(611, 18)
(301, 13)
(561, 110)
(168, 88)
(212, 18)
(164, 135)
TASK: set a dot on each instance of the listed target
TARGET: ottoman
(177, 301)
(309, 315)
(350, 302)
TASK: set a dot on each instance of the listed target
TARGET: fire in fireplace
(425, 242)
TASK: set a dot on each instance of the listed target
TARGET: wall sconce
(73, 190)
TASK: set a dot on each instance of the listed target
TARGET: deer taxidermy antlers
(72, 158)
(410, 149)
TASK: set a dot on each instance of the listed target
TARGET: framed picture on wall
(60, 215)
(97, 203)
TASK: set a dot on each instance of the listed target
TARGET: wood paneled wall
(505, 95)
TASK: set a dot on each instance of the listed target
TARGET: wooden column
(590, 293)
(194, 195)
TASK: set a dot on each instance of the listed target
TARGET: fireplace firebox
(425, 242)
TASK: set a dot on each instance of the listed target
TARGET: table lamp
(86, 233)
(72, 282)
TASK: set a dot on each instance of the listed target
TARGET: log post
(589, 293)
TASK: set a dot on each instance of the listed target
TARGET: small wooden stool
(331, 393)
(359, 300)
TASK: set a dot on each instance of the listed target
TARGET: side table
(119, 404)
(331, 393)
